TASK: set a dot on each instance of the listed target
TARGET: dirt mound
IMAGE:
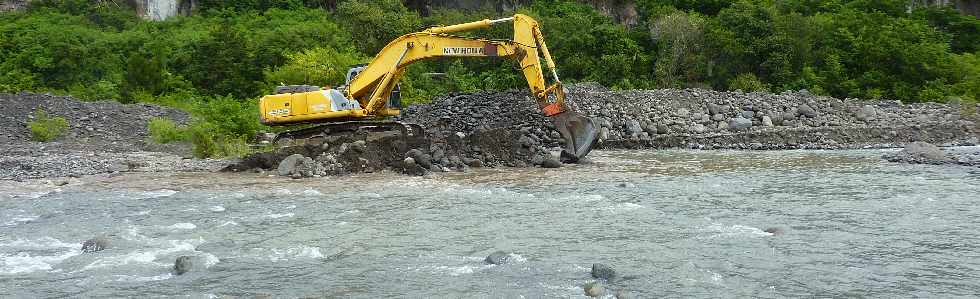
(119, 126)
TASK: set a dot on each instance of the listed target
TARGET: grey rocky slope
(696, 118)
(102, 137)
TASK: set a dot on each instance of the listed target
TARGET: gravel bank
(102, 137)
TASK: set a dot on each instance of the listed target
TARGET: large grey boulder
(739, 124)
(296, 165)
(920, 153)
(183, 264)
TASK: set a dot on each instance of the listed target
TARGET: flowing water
(672, 224)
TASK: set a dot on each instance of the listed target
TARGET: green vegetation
(216, 63)
(163, 130)
(45, 128)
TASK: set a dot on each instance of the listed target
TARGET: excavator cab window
(394, 101)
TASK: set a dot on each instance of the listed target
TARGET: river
(672, 223)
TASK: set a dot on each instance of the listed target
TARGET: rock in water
(621, 294)
(593, 289)
(183, 264)
(95, 244)
(920, 153)
(497, 258)
(602, 271)
(550, 163)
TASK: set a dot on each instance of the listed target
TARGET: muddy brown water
(672, 223)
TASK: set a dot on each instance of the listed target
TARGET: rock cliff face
(623, 11)
(148, 9)
(968, 7)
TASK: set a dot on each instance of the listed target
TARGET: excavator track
(412, 134)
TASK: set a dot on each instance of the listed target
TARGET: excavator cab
(394, 101)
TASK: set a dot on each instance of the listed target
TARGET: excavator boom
(371, 89)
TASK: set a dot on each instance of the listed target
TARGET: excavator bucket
(580, 135)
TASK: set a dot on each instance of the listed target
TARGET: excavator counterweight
(371, 91)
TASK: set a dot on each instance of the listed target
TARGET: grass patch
(163, 130)
(45, 128)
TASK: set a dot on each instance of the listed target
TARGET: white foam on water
(210, 260)
(625, 206)
(182, 225)
(282, 191)
(128, 278)
(238, 195)
(16, 220)
(228, 223)
(276, 216)
(30, 195)
(145, 256)
(42, 243)
(311, 192)
(513, 257)
(155, 194)
(217, 209)
(142, 213)
(580, 198)
(23, 262)
(736, 230)
(298, 252)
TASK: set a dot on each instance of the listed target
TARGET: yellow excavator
(371, 92)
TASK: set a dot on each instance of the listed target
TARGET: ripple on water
(154, 194)
(717, 230)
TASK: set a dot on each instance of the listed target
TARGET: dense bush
(46, 128)
(163, 130)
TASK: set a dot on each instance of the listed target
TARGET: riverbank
(488, 129)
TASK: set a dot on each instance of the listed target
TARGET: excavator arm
(372, 87)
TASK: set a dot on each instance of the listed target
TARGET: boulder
(296, 165)
(95, 244)
(866, 113)
(550, 163)
(739, 124)
(633, 127)
(718, 117)
(713, 109)
(806, 110)
(422, 159)
(497, 258)
(683, 113)
(593, 289)
(766, 121)
(602, 271)
(183, 264)
(920, 153)
(698, 128)
(749, 114)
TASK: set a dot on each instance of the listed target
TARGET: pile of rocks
(115, 125)
(697, 118)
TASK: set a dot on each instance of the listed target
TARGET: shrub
(45, 128)
(747, 82)
(207, 144)
(163, 130)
